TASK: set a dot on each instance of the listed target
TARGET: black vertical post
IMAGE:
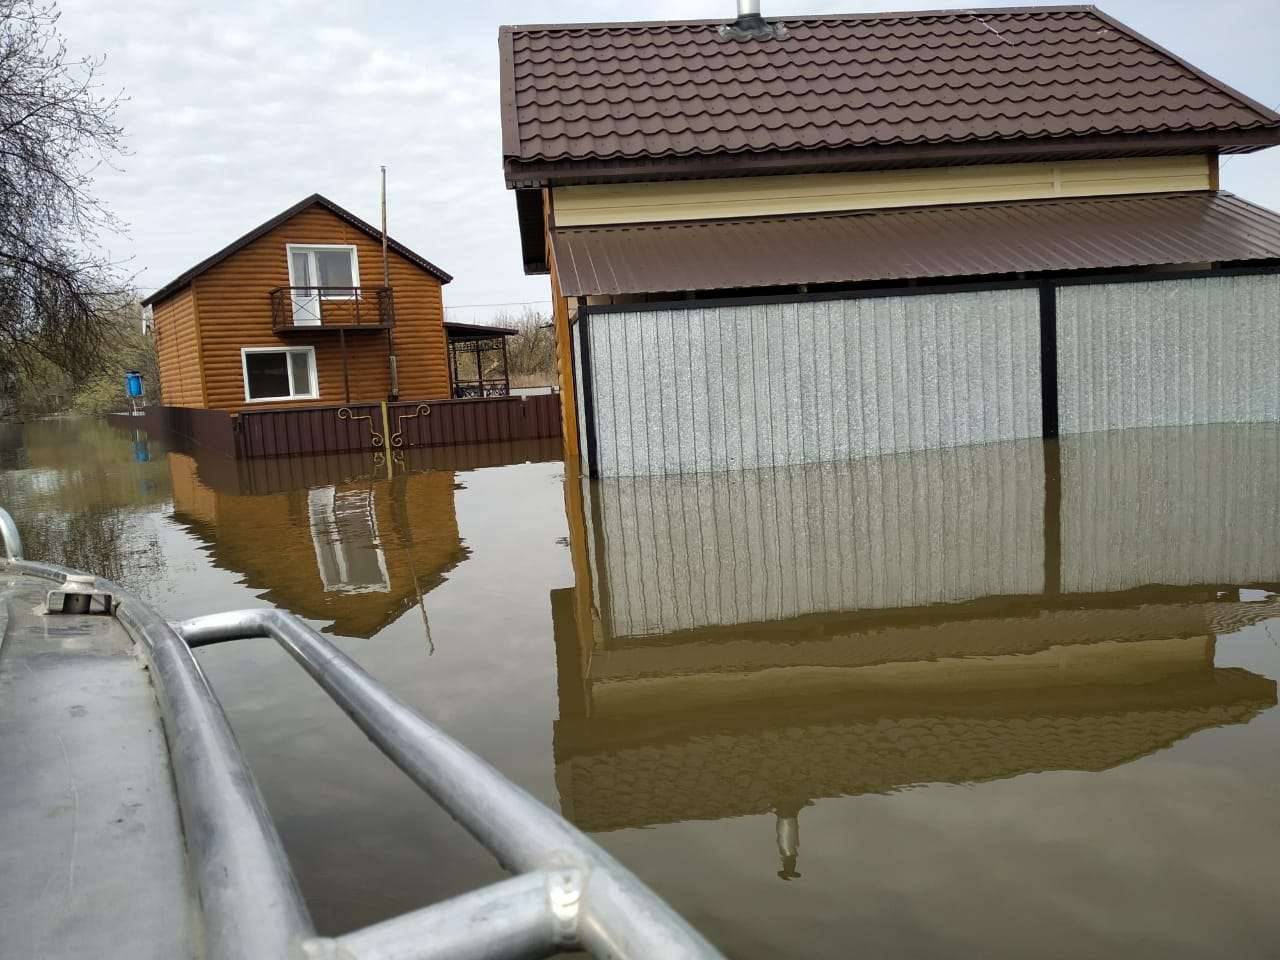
(588, 399)
(506, 370)
(1048, 359)
(1049, 429)
(1052, 517)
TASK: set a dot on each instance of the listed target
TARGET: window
(330, 270)
(277, 374)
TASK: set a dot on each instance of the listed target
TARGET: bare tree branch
(58, 292)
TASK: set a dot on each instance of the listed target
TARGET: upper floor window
(330, 271)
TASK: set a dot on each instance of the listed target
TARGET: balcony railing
(319, 308)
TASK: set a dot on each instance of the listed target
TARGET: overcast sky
(239, 109)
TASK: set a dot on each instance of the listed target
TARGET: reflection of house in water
(329, 538)
(749, 643)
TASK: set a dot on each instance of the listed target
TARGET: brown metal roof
(179, 282)
(922, 242)
(456, 330)
(615, 93)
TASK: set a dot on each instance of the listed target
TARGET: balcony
(317, 309)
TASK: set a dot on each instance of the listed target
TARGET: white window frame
(351, 248)
(322, 503)
(293, 393)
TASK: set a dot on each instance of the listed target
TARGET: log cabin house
(297, 312)
(817, 238)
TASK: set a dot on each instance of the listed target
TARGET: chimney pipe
(750, 25)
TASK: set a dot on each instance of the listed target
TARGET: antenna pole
(386, 269)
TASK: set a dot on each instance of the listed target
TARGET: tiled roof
(600, 92)
(922, 242)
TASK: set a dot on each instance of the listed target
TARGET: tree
(531, 352)
(57, 292)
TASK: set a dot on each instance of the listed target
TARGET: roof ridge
(1246, 101)
(603, 25)
(235, 246)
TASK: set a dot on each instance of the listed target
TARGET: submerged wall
(1096, 513)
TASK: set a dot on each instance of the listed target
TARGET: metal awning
(922, 242)
(474, 331)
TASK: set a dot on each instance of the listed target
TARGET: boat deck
(93, 862)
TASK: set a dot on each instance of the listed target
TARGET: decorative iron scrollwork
(397, 438)
(377, 439)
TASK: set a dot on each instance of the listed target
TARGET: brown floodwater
(1016, 700)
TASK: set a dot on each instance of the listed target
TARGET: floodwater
(1016, 700)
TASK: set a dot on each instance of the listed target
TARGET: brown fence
(311, 430)
(277, 433)
(212, 429)
(355, 427)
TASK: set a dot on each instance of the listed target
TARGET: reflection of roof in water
(757, 757)
(736, 643)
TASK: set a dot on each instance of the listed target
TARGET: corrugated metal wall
(734, 387)
(1185, 506)
(681, 552)
(1169, 352)
(1174, 505)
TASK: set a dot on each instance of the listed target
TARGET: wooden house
(829, 237)
(297, 312)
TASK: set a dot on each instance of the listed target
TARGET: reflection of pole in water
(398, 492)
(788, 828)
(422, 603)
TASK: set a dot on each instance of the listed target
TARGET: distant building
(808, 239)
(296, 313)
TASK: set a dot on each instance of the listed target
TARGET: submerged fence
(356, 427)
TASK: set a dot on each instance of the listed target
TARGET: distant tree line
(63, 303)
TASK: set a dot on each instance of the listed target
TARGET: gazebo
(478, 359)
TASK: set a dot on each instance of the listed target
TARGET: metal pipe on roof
(748, 8)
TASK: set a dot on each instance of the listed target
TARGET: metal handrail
(569, 893)
(250, 903)
(285, 300)
(588, 899)
(10, 535)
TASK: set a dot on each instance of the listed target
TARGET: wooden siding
(234, 311)
(829, 192)
(178, 349)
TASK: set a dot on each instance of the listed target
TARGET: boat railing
(9, 534)
(568, 893)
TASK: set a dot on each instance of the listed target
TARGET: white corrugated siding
(1169, 352)
(1185, 505)
(681, 552)
(737, 387)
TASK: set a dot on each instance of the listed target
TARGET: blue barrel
(133, 384)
